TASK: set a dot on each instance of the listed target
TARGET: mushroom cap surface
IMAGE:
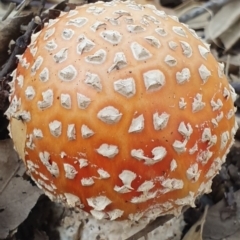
(122, 111)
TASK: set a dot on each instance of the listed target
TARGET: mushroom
(120, 110)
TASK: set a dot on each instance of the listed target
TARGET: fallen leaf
(17, 196)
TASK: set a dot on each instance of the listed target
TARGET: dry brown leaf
(217, 229)
(223, 20)
(195, 232)
(17, 196)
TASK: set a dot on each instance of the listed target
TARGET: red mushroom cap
(122, 111)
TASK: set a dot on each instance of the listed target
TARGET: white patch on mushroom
(188, 200)
(216, 105)
(146, 186)
(114, 214)
(33, 51)
(113, 21)
(129, 20)
(161, 32)
(160, 121)
(203, 51)
(153, 41)
(144, 21)
(63, 154)
(185, 129)
(77, 22)
(44, 75)
(219, 117)
(51, 22)
(173, 165)
(154, 80)
(179, 31)
(20, 80)
(119, 62)
(51, 45)
(67, 33)
(61, 55)
(103, 174)
(23, 61)
(173, 45)
(109, 115)
(53, 167)
(182, 104)
(135, 28)
(158, 154)
(98, 203)
(85, 44)
(48, 33)
(233, 93)
(151, 19)
(87, 182)
(97, 58)
(93, 80)
(193, 173)
(70, 171)
(83, 162)
(86, 132)
(144, 197)
(24, 116)
(139, 52)
(171, 184)
(126, 87)
(112, 36)
(55, 128)
(36, 65)
(226, 93)
(214, 168)
(135, 217)
(220, 70)
(204, 156)
(47, 100)
(37, 133)
(225, 137)
(68, 73)
(160, 13)
(14, 106)
(83, 101)
(30, 93)
(72, 200)
(204, 73)
(122, 13)
(187, 50)
(175, 18)
(198, 104)
(170, 61)
(97, 25)
(193, 149)
(230, 114)
(179, 146)
(137, 124)
(98, 214)
(29, 142)
(95, 10)
(71, 132)
(106, 150)
(183, 76)
(127, 177)
(65, 100)
(43, 176)
(134, 6)
(214, 122)
(72, 13)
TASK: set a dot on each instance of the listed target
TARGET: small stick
(11, 7)
(160, 221)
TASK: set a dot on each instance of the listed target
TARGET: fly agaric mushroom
(120, 110)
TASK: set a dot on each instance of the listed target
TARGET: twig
(210, 5)
(11, 7)
(21, 44)
(150, 227)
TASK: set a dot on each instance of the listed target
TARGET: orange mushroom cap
(122, 111)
